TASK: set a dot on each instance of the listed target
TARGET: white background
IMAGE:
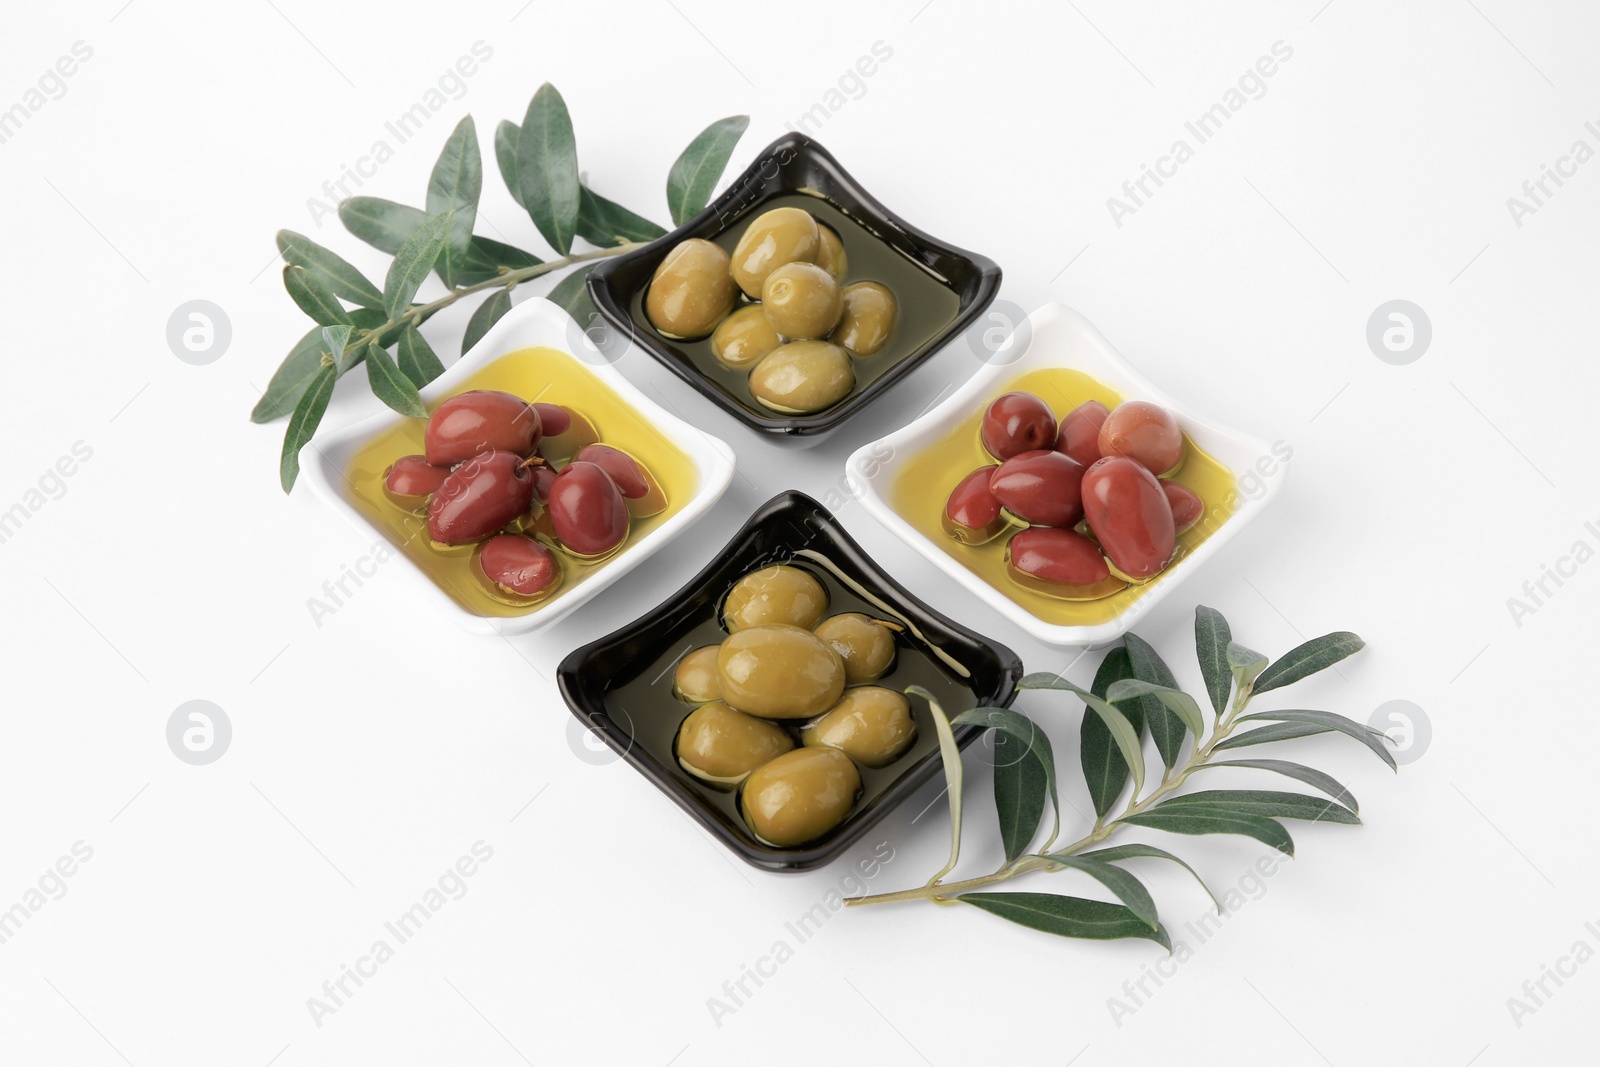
(371, 752)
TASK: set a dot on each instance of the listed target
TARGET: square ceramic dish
(1061, 338)
(790, 167)
(621, 685)
(535, 323)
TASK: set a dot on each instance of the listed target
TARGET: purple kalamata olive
(520, 564)
(482, 420)
(1079, 436)
(1018, 422)
(626, 471)
(587, 510)
(1057, 557)
(1144, 432)
(1041, 487)
(1129, 515)
(1186, 505)
(479, 497)
(554, 420)
(972, 514)
(410, 479)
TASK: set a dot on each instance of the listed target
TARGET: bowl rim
(590, 709)
(865, 469)
(534, 323)
(613, 305)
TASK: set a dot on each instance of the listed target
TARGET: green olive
(691, 291)
(802, 377)
(868, 319)
(774, 594)
(696, 680)
(802, 301)
(865, 644)
(831, 255)
(779, 672)
(870, 724)
(800, 796)
(722, 745)
(782, 235)
(744, 337)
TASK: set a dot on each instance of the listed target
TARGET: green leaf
(487, 314)
(1184, 706)
(300, 366)
(454, 186)
(345, 355)
(606, 223)
(413, 263)
(313, 296)
(1211, 640)
(1105, 772)
(303, 423)
(1166, 727)
(1269, 802)
(416, 358)
(1122, 731)
(1136, 850)
(392, 387)
(486, 257)
(1373, 739)
(1212, 821)
(547, 168)
(1095, 920)
(1309, 658)
(1245, 663)
(572, 296)
(1309, 775)
(1265, 735)
(338, 275)
(383, 224)
(950, 753)
(506, 136)
(694, 173)
(1127, 888)
(1019, 794)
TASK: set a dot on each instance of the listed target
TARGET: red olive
(1063, 563)
(1129, 515)
(1144, 432)
(553, 419)
(479, 497)
(1018, 422)
(1186, 505)
(1080, 432)
(519, 564)
(482, 420)
(972, 514)
(587, 510)
(410, 479)
(1041, 487)
(544, 476)
(623, 468)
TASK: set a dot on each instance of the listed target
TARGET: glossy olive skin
(696, 679)
(773, 238)
(802, 301)
(779, 672)
(870, 312)
(1042, 487)
(1059, 558)
(831, 255)
(520, 565)
(410, 479)
(1144, 432)
(1016, 423)
(623, 468)
(481, 420)
(865, 644)
(479, 497)
(777, 594)
(802, 377)
(870, 724)
(742, 338)
(1187, 506)
(800, 796)
(972, 514)
(1129, 515)
(1079, 435)
(587, 510)
(722, 745)
(691, 291)
(555, 419)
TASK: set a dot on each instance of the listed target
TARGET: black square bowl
(621, 685)
(941, 288)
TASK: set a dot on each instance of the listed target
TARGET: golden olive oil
(535, 374)
(923, 484)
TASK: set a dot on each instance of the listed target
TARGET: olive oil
(535, 374)
(920, 489)
(927, 304)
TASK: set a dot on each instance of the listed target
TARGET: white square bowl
(1060, 338)
(535, 323)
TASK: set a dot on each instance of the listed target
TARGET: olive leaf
(1373, 739)
(1245, 663)
(572, 296)
(694, 173)
(1121, 729)
(1269, 802)
(331, 269)
(1179, 703)
(1095, 920)
(1265, 735)
(506, 136)
(1137, 850)
(1105, 772)
(604, 222)
(300, 366)
(313, 403)
(1211, 640)
(312, 295)
(950, 754)
(1309, 775)
(391, 386)
(413, 263)
(416, 357)
(1309, 658)
(489, 312)
(386, 226)
(1127, 888)
(1020, 789)
(547, 168)
(1211, 821)
(1166, 727)
(454, 187)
